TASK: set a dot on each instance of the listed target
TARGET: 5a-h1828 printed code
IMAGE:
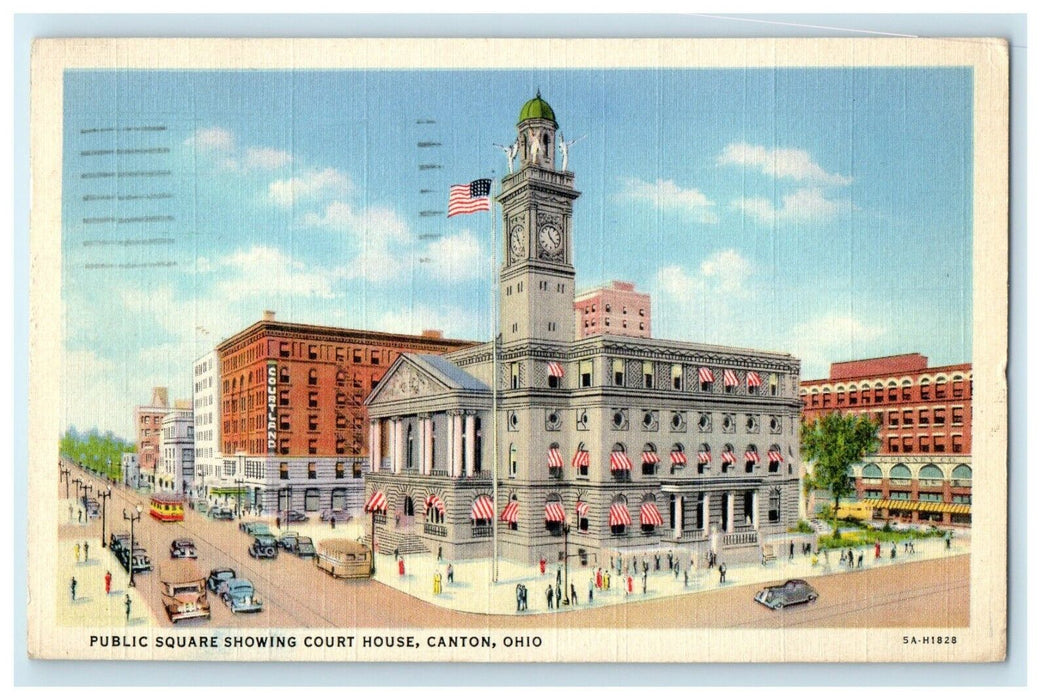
(928, 639)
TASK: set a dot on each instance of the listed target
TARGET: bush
(803, 526)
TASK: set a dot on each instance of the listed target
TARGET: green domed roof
(537, 108)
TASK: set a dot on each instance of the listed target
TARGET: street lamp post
(77, 482)
(64, 474)
(567, 528)
(239, 483)
(104, 496)
(136, 514)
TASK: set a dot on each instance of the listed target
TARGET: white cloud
(790, 163)
(831, 337)
(378, 225)
(212, 138)
(264, 272)
(809, 204)
(452, 321)
(313, 184)
(668, 195)
(266, 158)
(456, 258)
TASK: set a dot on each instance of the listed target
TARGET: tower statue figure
(564, 145)
(511, 154)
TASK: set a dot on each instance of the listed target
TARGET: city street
(922, 592)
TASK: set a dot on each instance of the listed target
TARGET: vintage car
(255, 527)
(293, 516)
(239, 595)
(264, 547)
(183, 591)
(287, 540)
(183, 548)
(340, 516)
(138, 559)
(343, 558)
(91, 507)
(791, 592)
(118, 542)
(220, 513)
(304, 547)
(219, 576)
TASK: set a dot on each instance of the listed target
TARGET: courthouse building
(923, 469)
(628, 442)
(291, 417)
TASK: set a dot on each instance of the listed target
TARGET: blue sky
(823, 212)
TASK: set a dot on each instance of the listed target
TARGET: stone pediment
(406, 381)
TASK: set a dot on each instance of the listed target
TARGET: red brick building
(148, 421)
(292, 415)
(616, 309)
(922, 471)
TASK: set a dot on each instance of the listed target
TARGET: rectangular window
(586, 373)
(922, 417)
(285, 422)
(677, 377)
(958, 390)
(285, 397)
(649, 374)
(514, 375)
(939, 443)
(374, 357)
(907, 444)
(939, 416)
(285, 446)
(284, 473)
(906, 393)
(618, 372)
(314, 423)
(311, 470)
(922, 443)
(358, 355)
(870, 493)
(926, 391)
(312, 352)
(313, 402)
(956, 444)
(957, 415)
(285, 350)
(907, 418)
(340, 470)
(358, 472)
(312, 447)
(899, 495)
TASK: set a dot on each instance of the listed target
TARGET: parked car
(264, 547)
(200, 505)
(239, 595)
(220, 513)
(118, 542)
(183, 591)
(91, 507)
(288, 540)
(256, 527)
(304, 547)
(138, 559)
(293, 516)
(217, 577)
(183, 548)
(340, 516)
(791, 592)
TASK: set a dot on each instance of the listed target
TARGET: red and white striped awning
(730, 378)
(753, 456)
(619, 515)
(705, 458)
(706, 375)
(377, 503)
(620, 462)
(555, 512)
(649, 457)
(553, 458)
(509, 513)
(678, 457)
(753, 379)
(483, 508)
(581, 459)
(774, 456)
(433, 501)
(649, 514)
(555, 369)
(582, 508)
(728, 457)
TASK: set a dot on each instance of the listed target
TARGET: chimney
(269, 315)
(433, 334)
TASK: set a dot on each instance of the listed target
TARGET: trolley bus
(343, 559)
(167, 507)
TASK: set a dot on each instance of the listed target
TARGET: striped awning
(619, 515)
(728, 457)
(582, 509)
(924, 506)
(705, 458)
(483, 508)
(376, 504)
(650, 457)
(509, 513)
(649, 514)
(677, 457)
(730, 378)
(705, 375)
(553, 458)
(581, 459)
(555, 512)
(555, 369)
(753, 456)
(620, 462)
(753, 379)
(433, 501)
(774, 456)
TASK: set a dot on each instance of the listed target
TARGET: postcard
(519, 350)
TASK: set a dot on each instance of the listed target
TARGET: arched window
(434, 509)
(621, 465)
(774, 500)
(512, 460)
(650, 518)
(774, 459)
(752, 458)
(961, 476)
(554, 514)
(727, 458)
(619, 515)
(409, 506)
(704, 458)
(285, 375)
(900, 474)
(930, 475)
(872, 473)
(649, 459)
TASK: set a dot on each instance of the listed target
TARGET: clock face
(550, 238)
(516, 242)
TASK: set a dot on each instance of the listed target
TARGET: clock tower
(537, 280)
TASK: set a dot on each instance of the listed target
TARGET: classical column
(398, 451)
(375, 445)
(471, 443)
(449, 455)
(706, 513)
(391, 442)
(730, 515)
(424, 426)
(456, 436)
(756, 509)
(678, 525)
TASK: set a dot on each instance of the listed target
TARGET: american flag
(471, 198)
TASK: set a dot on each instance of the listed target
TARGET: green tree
(100, 453)
(832, 444)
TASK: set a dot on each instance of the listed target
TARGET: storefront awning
(555, 369)
(555, 512)
(553, 459)
(581, 459)
(509, 513)
(483, 508)
(753, 456)
(620, 462)
(923, 506)
(434, 501)
(679, 458)
(582, 508)
(376, 504)
(619, 515)
(649, 457)
(649, 514)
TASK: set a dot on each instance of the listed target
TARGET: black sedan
(183, 548)
(791, 592)
(219, 576)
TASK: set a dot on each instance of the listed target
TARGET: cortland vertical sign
(271, 408)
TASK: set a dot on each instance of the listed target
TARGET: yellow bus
(343, 558)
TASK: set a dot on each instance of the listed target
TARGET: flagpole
(494, 392)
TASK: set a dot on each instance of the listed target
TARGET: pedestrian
(676, 569)
(851, 558)
(620, 563)
(814, 560)
(525, 592)
(437, 583)
(332, 522)
(558, 576)
(127, 607)
(644, 584)
(400, 566)
(791, 550)
(723, 571)
(844, 558)
(520, 597)
(70, 511)
(451, 574)
(440, 552)
(591, 592)
(599, 571)
(278, 521)
(80, 515)
(859, 562)
(549, 597)
(645, 566)
(542, 565)
(634, 566)
(709, 559)
(558, 596)
(76, 548)
(396, 554)
(72, 587)
(629, 584)
(877, 549)
(657, 558)
(85, 550)
(893, 551)
(109, 581)
(685, 578)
